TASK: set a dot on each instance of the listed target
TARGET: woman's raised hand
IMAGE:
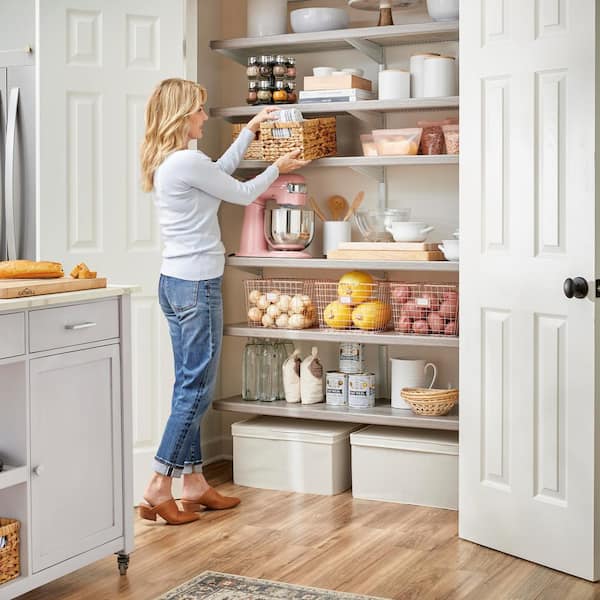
(290, 162)
(266, 114)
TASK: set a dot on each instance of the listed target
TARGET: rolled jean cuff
(190, 468)
(167, 470)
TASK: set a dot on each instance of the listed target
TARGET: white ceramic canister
(409, 373)
(394, 84)
(267, 17)
(334, 234)
(352, 357)
(336, 388)
(361, 390)
(439, 77)
(416, 73)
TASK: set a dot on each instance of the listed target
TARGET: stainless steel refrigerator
(17, 157)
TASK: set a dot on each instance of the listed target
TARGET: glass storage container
(252, 71)
(290, 86)
(250, 369)
(280, 95)
(252, 96)
(265, 67)
(264, 94)
(280, 67)
(291, 67)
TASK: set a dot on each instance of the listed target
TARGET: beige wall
(431, 192)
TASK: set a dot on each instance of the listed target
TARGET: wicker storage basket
(315, 137)
(9, 549)
(431, 403)
(255, 151)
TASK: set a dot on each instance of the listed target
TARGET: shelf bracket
(377, 173)
(369, 49)
(373, 120)
(238, 57)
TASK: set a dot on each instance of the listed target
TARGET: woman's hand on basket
(290, 162)
(266, 114)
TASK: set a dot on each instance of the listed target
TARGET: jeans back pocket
(182, 294)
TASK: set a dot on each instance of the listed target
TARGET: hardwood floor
(335, 542)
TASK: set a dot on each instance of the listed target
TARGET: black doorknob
(577, 287)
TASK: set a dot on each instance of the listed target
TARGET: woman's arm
(232, 157)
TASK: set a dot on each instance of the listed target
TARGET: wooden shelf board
(384, 338)
(381, 414)
(11, 476)
(325, 263)
(300, 43)
(367, 161)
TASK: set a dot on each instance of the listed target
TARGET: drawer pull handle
(86, 325)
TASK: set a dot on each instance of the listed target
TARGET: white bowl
(337, 73)
(450, 248)
(409, 231)
(323, 71)
(443, 10)
(307, 20)
(353, 71)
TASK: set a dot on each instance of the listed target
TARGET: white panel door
(98, 63)
(529, 407)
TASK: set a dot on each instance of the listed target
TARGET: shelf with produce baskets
(369, 40)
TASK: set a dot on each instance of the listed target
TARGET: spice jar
(264, 94)
(290, 86)
(291, 67)
(265, 67)
(252, 71)
(280, 95)
(252, 97)
(279, 67)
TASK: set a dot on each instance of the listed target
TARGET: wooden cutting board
(395, 246)
(23, 288)
(391, 255)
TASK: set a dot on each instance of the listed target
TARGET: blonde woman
(188, 188)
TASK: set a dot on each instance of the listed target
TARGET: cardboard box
(337, 82)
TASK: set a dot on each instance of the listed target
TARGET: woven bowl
(430, 403)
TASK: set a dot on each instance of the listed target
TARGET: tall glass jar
(283, 350)
(264, 93)
(279, 67)
(265, 66)
(267, 374)
(252, 71)
(251, 368)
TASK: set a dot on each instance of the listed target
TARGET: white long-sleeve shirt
(188, 189)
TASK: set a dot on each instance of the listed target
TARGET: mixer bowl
(289, 227)
(372, 223)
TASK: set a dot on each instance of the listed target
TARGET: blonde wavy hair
(167, 110)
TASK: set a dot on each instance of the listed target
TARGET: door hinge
(184, 48)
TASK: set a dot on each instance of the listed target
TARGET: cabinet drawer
(12, 335)
(70, 325)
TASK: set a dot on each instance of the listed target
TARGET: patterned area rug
(221, 586)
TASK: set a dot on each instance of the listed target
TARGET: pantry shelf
(239, 49)
(384, 338)
(381, 414)
(11, 476)
(367, 161)
(240, 114)
(326, 263)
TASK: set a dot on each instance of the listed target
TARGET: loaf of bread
(30, 269)
(81, 271)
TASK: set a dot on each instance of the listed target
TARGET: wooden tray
(23, 288)
(391, 255)
(395, 246)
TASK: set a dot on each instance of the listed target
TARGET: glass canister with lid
(252, 96)
(264, 92)
(290, 86)
(252, 70)
(280, 67)
(280, 95)
(291, 67)
(265, 66)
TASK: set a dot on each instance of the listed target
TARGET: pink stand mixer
(276, 223)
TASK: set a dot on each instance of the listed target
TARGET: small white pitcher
(408, 373)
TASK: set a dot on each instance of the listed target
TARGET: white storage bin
(296, 455)
(411, 466)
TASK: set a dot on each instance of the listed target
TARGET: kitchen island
(65, 431)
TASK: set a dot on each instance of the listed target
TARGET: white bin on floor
(296, 455)
(411, 466)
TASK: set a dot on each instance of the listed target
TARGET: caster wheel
(122, 562)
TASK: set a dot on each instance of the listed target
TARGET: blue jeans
(194, 311)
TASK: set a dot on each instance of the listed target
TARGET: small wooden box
(337, 82)
(316, 138)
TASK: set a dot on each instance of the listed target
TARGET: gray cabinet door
(76, 454)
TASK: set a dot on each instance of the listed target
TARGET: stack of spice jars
(271, 80)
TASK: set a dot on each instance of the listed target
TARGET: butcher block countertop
(66, 297)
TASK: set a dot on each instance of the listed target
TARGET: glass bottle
(291, 67)
(290, 86)
(284, 350)
(264, 94)
(267, 373)
(252, 71)
(279, 67)
(250, 369)
(280, 95)
(265, 66)
(252, 97)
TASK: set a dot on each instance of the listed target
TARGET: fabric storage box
(295, 455)
(410, 466)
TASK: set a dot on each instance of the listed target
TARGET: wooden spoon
(338, 205)
(316, 209)
(355, 204)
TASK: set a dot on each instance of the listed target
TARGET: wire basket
(354, 306)
(10, 565)
(431, 403)
(425, 309)
(280, 303)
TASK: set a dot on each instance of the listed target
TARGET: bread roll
(30, 269)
